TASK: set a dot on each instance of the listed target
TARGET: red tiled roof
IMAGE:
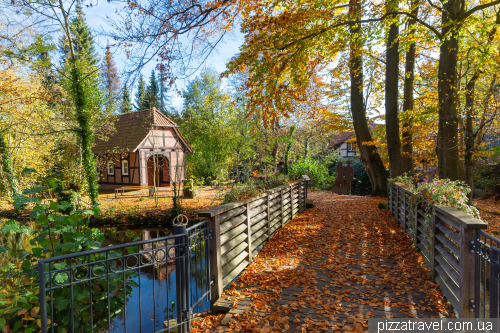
(339, 139)
(132, 128)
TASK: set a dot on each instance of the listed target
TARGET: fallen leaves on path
(335, 266)
(493, 220)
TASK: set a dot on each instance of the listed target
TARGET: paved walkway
(330, 269)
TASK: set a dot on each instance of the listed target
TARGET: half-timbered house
(145, 148)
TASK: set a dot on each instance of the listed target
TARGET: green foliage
(126, 101)
(56, 232)
(83, 40)
(213, 127)
(430, 193)
(141, 96)
(241, 191)
(435, 192)
(152, 93)
(486, 176)
(9, 178)
(317, 172)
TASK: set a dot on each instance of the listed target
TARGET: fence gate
(487, 276)
(150, 286)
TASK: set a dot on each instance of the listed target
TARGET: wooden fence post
(214, 249)
(291, 201)
(268, 217)
(249, 233)
(467, 276)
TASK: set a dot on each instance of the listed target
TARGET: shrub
(240, 192)
(317, 172)
(56, 232)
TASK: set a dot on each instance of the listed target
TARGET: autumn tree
(391, 92)
(111, 81)
(81, 81)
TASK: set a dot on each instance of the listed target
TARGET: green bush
(56, 231)
(317, 171)
(241, 191)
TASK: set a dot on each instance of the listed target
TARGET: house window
(111, 167)
(125, 167)
(350, 146)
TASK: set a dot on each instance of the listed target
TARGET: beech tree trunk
(469, 134)
(391, 97)
(447, 141)
(408, 102)
(369, 155)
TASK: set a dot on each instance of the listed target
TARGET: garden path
(330, 269)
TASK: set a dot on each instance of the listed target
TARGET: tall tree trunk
(369, 155)
(9, 174)
(274, 151)
(306, 146)
(408, 100)
(469, 133)
(473, 140)
(447, 141)
(461, 126)
(289, 147)
(391, 95)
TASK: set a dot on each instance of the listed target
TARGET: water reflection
(153, 303)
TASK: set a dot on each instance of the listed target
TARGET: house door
(158, 171)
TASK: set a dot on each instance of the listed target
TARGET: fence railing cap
(224, 208)
(404, 187)
(462, 218)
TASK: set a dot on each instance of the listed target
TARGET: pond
(152, 301)
(151, 292)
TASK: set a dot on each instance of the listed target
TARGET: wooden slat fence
(240, 229)
(446, 244)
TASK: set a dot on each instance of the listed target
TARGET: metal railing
(128, 288)
(487, 272)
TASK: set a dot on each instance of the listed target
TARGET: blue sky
(95, 17)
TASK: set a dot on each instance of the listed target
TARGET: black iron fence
(144, 286)
(487, 272)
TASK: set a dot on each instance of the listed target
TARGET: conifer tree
(111, 81)
(153, 91)
(82, 39)
(140, 98)
(126, 101)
